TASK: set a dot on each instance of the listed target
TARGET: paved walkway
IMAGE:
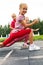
(14, 55)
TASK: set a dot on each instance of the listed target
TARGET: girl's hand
(36, 21)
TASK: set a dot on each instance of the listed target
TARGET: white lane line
(21, 58)
(37, 57)
(5, 58)
(32, 57)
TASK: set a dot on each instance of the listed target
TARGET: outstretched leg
(14, 36)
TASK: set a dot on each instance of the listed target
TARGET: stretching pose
(20, 31)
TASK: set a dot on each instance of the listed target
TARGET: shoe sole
(35, 50)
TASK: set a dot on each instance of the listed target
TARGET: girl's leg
(8, 40)
(18, 35)
(30, 37)
(15, 40)
(1, 44)
(26, 42)
(32, 45)
(14, 36)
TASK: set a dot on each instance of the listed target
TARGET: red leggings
(16, 35)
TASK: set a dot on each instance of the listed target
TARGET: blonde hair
(13, 15)
(22, 4)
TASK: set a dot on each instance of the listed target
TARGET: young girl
(12, 25)
(20, 31)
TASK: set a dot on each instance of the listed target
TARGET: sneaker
(33, 47)
(25, 46)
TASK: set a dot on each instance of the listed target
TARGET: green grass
(2, 39)
(40, 37)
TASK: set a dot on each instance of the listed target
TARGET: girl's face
(27, 19)
(23, 9)
(14, 16)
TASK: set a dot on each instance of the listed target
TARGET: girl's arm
(11, 28)
(23, 22)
